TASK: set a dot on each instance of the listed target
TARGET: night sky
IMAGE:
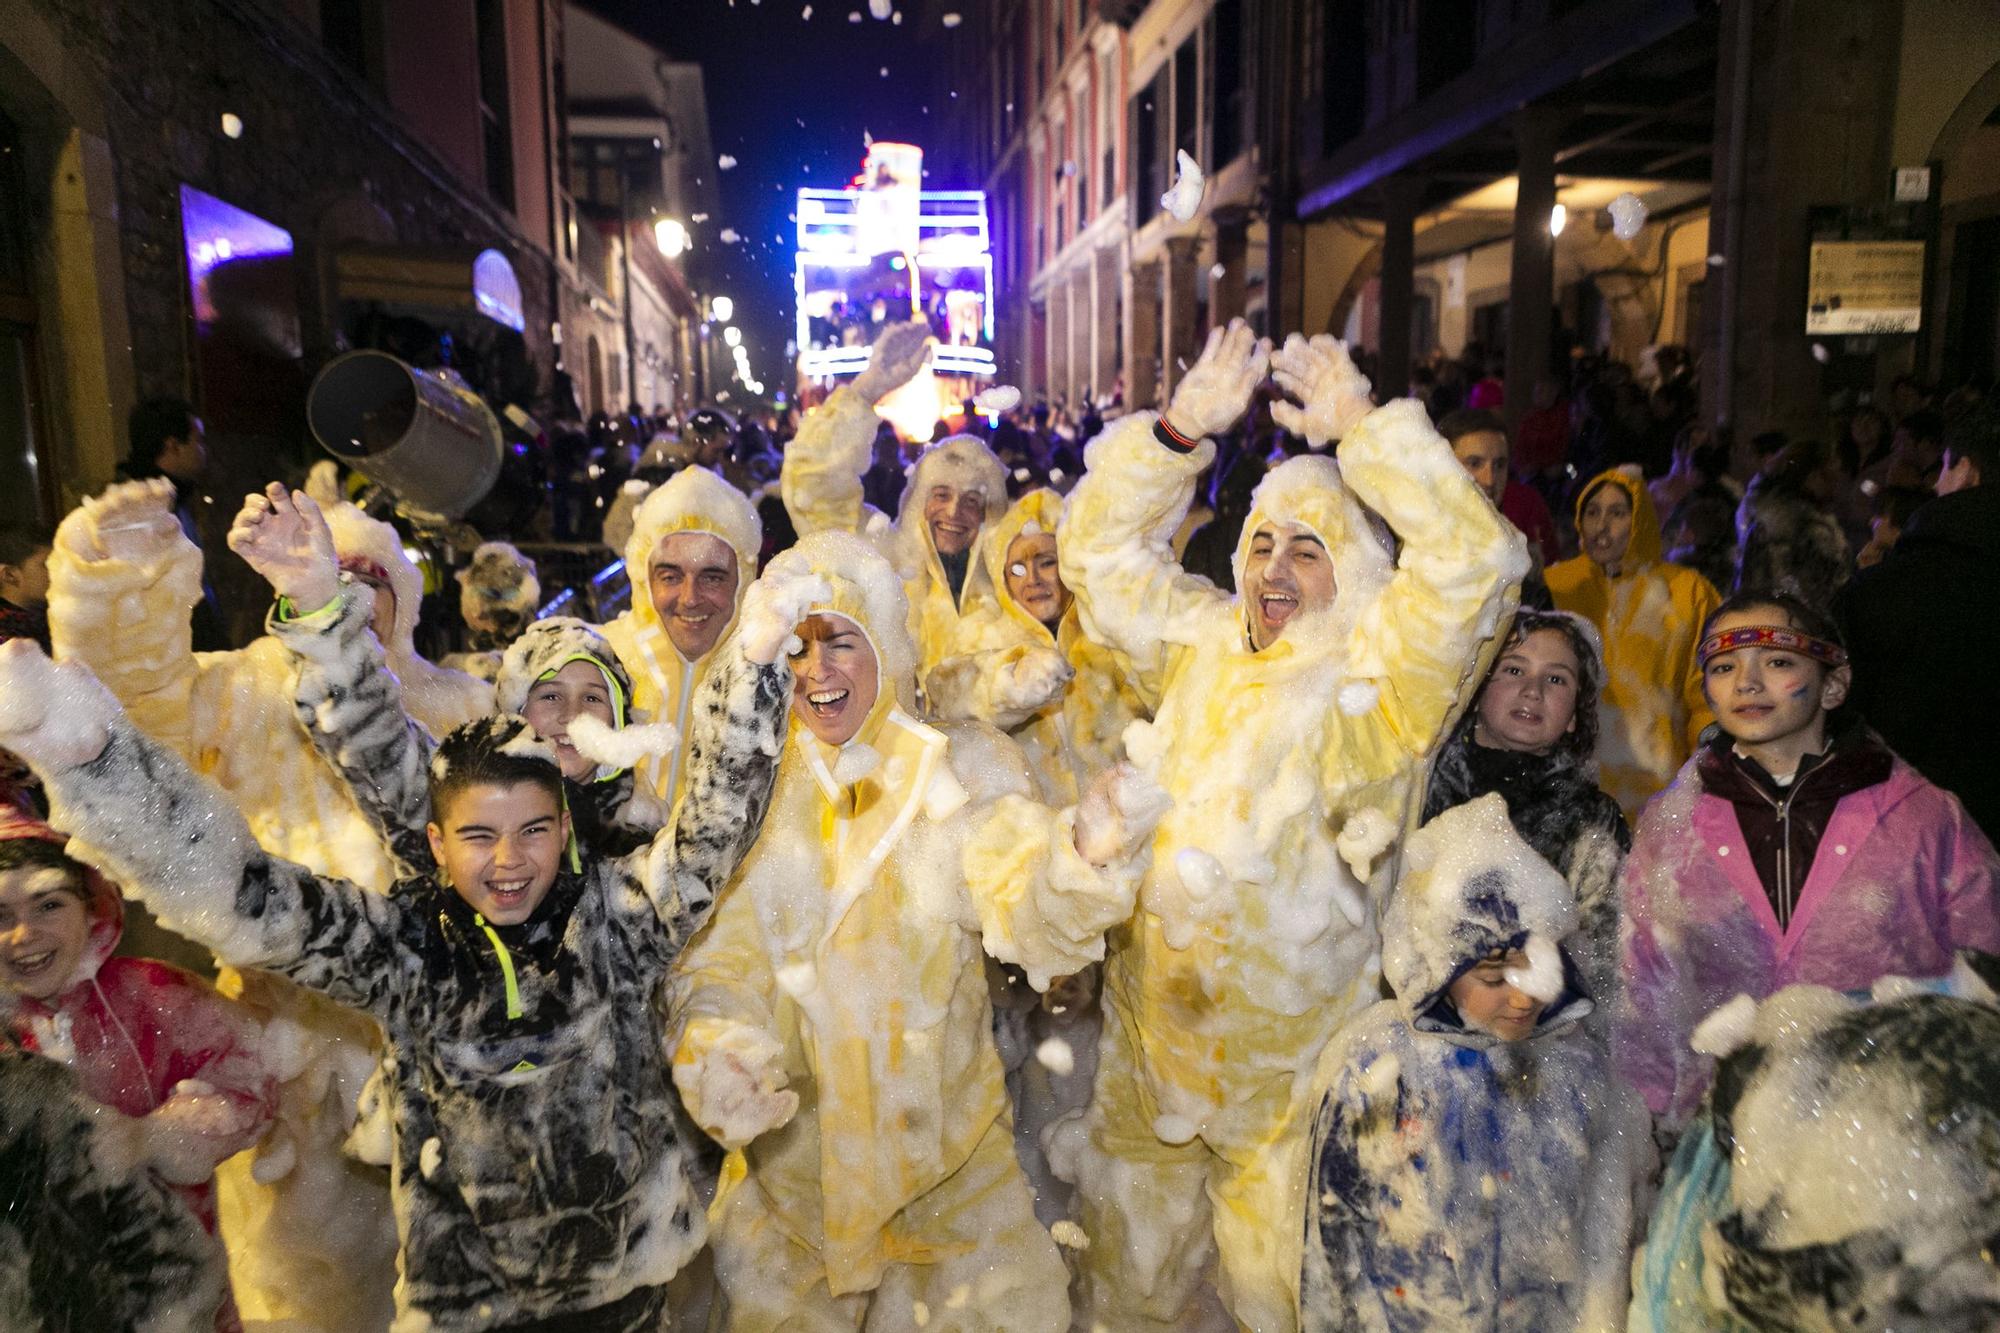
(790, 98)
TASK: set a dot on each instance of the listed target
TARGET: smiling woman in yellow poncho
(1066, 698)
(833, 1024)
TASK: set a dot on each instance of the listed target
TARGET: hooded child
(1291, 725)
(146, 1039)
(1649, 614)
(957, 491)
(832, 1025)
(1530, 736)
(691, 556)
(1459, 1173)
(538, 1175)
(1022, 662)
(90, 1236)
(1793, 848)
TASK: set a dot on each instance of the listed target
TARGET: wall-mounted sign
(1913, 184)
(1865, 287)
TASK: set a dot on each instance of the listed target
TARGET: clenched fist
(132, 521)
(54, 715)
(1029, 682)
(773, 608)
(736, 1095)
(1117, 814)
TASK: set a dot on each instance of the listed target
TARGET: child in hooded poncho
(147, 1040)
(1456, 1182)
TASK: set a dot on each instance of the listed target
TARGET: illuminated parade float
(885, 250)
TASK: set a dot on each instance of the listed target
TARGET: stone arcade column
(1531, 286)
(1232, 257)
(1402, 195)
(1181, 343)
(1142, 338)
(1104, 285)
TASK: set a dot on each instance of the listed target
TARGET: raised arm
(735, 736)
(1459, 570)
(123, 579)
(173, 839)
(345, 696)
(1114, 538)
(820, 478)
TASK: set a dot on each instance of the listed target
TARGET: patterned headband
(362, 565)
(1770, 636)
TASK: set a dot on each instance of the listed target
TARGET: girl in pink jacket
(144, 1038)
(1793, 847)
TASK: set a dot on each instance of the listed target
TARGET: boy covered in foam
(1456, 1182)
(538, 1174)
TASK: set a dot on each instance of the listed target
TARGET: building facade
(1428, 147)
(1071, 114)
(638, 189)
(213, 198)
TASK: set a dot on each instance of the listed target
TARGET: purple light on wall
(219, 236)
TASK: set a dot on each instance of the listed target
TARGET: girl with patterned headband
(1794, 847)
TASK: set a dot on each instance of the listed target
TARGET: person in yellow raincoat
(310, 1233)
(832, 1021)
(955, 492)
(693, 551)
(1291, 726)
(1649, 613)
(1022, 663)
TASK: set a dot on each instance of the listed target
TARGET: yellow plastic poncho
(230, 715)
(1072, 739)
(853, 940)
(664, 683)
(821, 484)
(1292, 771)
(1651, 713)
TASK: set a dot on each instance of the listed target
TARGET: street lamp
(733, 336)
(721, 309)
(671, 237)
(1558, 219)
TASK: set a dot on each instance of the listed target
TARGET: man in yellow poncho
(1291, 726)
(832, 1021)
(955, 492)
(310, 1235)
(1022, 663)
(693, 550)
(1649, 613)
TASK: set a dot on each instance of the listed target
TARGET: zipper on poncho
(513, 985)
